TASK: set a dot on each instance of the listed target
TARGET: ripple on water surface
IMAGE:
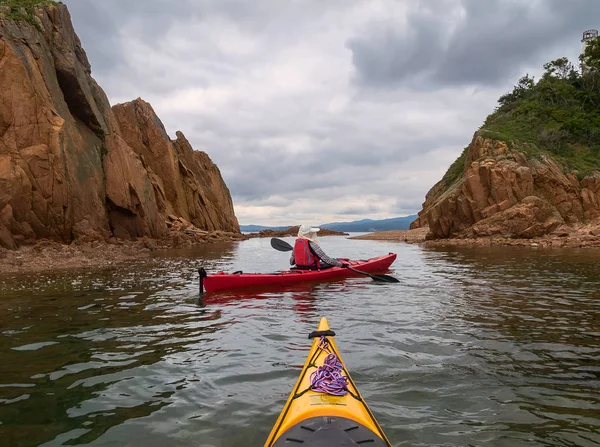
(488, 346)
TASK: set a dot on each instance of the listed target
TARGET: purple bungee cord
(327, 378)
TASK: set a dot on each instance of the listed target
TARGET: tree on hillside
(562, 69)
(523, 87)
(559, 112)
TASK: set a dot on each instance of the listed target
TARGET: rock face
(186, 182)
(71, 167)
(503, 193)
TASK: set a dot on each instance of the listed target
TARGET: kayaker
(308, 255)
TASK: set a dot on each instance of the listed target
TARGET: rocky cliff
(73, 167)
(493, 190)
(533, 168)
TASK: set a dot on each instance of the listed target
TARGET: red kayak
(238, 280)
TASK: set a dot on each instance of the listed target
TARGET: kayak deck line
(328, 378)
(315, 417)
(329, 371)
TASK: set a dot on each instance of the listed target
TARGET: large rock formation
(186, 182)
(501, 192)
(71, 166)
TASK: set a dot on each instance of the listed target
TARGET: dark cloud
(472, 42)
(324, 111)
(101, 25)
(386, 53)
(350, 159)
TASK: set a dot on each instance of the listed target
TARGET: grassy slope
(548, 130)
(455, 171)
(559, 116)
(16, 5)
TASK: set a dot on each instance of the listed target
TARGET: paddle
(280, 245)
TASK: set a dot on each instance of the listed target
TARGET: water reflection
(533, 319)
(305, 306)
(104, 365)
(473, 347)
(304, 296)
(83, 351)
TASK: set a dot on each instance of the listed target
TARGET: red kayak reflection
(299, 291)
(304, 296)
(305, 305)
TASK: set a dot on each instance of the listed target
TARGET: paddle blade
(280, 245)
(385, 278)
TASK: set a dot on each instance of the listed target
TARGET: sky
(318, 111)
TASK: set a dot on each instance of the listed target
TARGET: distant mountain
(364, 225)
(395, 223)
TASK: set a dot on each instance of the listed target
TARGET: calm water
(474, 347)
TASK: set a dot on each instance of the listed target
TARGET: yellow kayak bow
(317, 418)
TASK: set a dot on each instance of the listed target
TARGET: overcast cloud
(318, 111)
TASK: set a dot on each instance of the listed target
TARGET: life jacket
(304, 256)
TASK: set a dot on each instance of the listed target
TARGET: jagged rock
(190, 185)
(6, 238)
(563, 231)
(504, 193)
(69, 163)
(130, 195)
(561, 190)
(531, 217)
(590, 196)
(121, 233)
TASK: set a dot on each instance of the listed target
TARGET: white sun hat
(308, 232)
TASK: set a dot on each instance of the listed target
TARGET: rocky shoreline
(48, 255)
(93, 252)
(563, 237)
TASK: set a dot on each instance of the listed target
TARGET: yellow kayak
(327, 410)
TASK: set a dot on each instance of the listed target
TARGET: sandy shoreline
(584, 237)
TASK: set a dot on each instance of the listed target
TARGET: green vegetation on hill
(23, 3)
(559, 114)
(455, 170)
(17, 6)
